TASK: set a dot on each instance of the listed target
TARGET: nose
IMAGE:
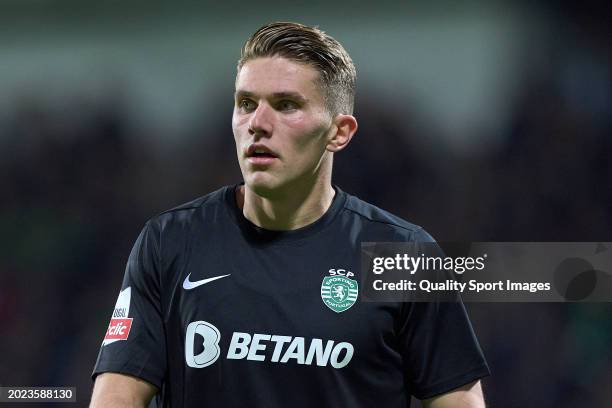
(260, 122)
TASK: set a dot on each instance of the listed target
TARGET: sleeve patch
(120, 324)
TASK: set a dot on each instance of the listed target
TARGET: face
(281, 125)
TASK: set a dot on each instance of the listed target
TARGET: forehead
(268, 75)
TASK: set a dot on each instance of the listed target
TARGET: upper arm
(439, 349)
(120, 390)
(135, 343)
(467, 396)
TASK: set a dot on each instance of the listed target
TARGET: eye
(246, 105)
(287, 105)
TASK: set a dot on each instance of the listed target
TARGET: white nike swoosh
(187, 284)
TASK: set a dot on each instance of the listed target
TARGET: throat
(283, 215)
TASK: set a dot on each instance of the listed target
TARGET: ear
(344, 127)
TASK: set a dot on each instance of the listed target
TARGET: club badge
(338, 291)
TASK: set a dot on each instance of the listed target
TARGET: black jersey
(216, 311)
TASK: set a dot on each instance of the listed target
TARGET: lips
(259, 155)
(258, 150)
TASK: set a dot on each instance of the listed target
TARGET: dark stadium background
(485, 120)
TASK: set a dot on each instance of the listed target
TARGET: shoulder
(375, 219)
(192, 212)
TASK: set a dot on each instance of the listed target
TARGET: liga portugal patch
(120, 323)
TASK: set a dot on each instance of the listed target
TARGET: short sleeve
(439, 349)
(135, 343)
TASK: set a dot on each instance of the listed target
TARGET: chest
(278, 304)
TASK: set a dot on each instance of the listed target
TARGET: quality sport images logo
(338, 291)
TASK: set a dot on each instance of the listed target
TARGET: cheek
(235, 122)
(237, 126)
(307, 133)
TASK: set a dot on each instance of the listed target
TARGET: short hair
(312, 46)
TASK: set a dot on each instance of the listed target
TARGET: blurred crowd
(79, 180)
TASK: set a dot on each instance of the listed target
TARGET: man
(232, 299)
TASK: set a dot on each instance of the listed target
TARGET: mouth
(259, 154)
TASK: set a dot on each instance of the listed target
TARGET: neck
(293, 210)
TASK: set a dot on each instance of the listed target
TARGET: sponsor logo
(262, 347)
(209, 336)
(338, 291)
(118, 329)
(120, 324)
(188, 285)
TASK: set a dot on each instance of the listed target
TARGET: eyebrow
(276, 95)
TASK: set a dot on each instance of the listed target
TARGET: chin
(263, 185)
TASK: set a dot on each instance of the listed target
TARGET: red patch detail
(118, 329)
